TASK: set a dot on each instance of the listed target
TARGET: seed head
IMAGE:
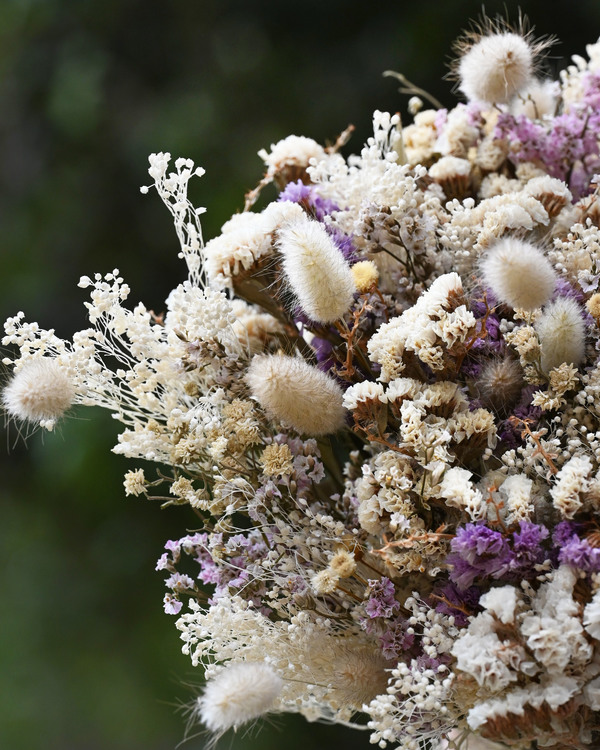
(500, 382)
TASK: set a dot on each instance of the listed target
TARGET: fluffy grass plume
(316, 270)
(294, 392)
(39, 392)
(519, 273)
(238, 694)
(561, 330)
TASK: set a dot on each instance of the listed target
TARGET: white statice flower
(402, 388)
(572, 481)
(553, 629)
(452, 173)
(552, 193)
(502, 602)
(457, 490)
(362, 392)
(294, 150)
(517, 490)
(135, 482)
(436, 323)
(591, 616)
(485, 657)
(554, 693)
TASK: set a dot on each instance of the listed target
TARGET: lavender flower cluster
(378, 400)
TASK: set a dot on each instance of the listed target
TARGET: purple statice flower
(163, 562)
(478, 552)
(525, 136)
(344, 243)
(574, 551)
(580, 554)
(510, 432)
(567, 145)
(226, 572)
(477, 304)
(174, 547)
(395, 639)
(381, 601)
(563, 532)
(481, 552)
(298, 192)
(471, 368)
(383, 622)
(324, 354)
(491, 343)
(528, 549)
(525, 410)
(565, 289)
(450, 600)
(171, 605)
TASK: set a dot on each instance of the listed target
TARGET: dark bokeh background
(88, 88)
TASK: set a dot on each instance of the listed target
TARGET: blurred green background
(88, 88)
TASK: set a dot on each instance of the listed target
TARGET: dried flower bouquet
(379, 400)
